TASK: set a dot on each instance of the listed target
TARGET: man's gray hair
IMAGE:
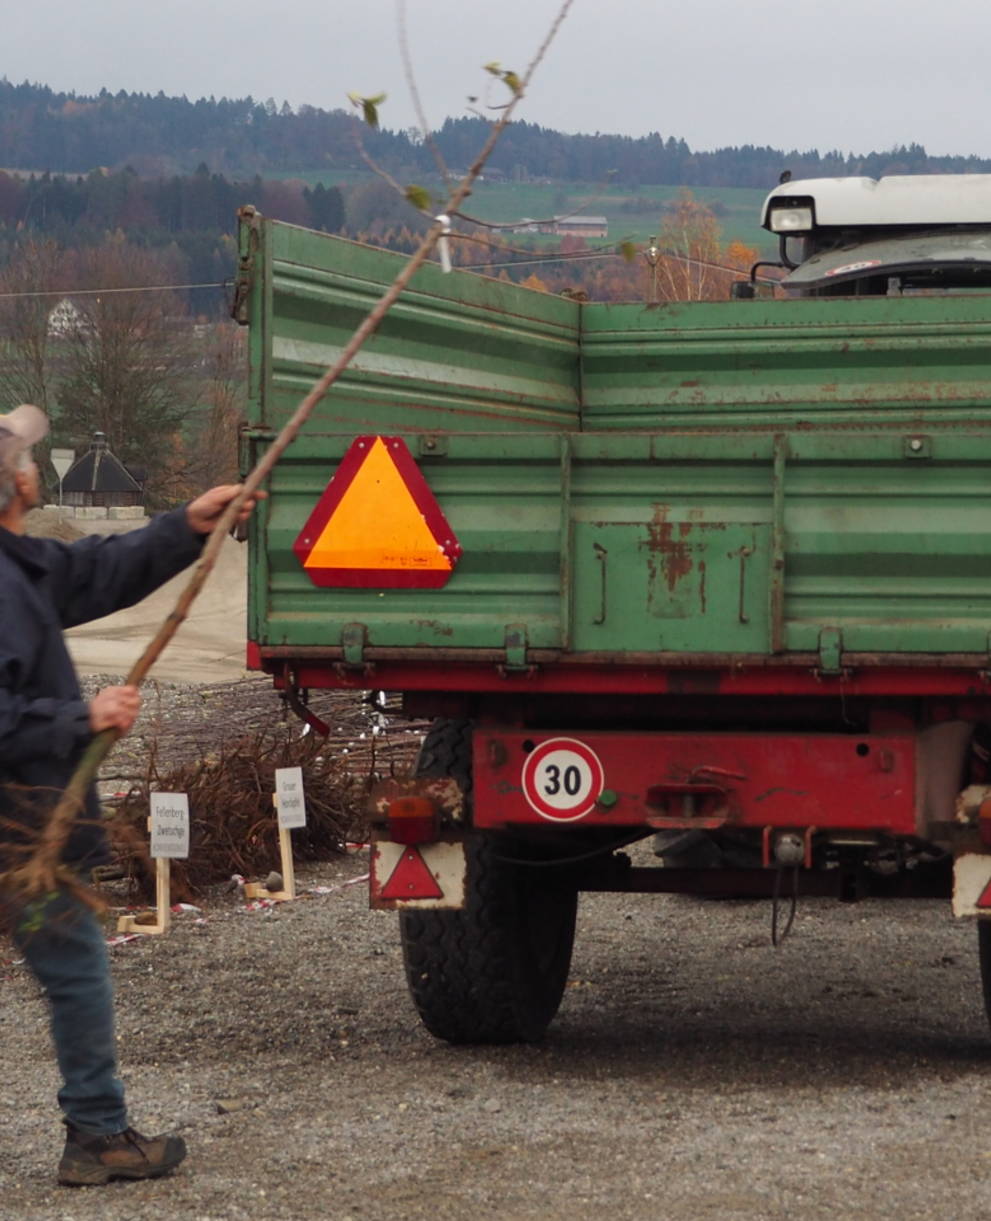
(21, 428)
(13, 461)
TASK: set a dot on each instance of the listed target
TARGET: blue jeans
(63, 943)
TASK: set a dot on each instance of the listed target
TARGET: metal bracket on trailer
(516, 647)
(830, 652)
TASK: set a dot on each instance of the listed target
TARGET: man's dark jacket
(46, 586)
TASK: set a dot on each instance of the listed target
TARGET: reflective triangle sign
(377, 525)
(411, 879)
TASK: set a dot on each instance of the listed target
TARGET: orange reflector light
(412, 820)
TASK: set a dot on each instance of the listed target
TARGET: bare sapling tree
(42, 872)
(205, 452)
(129, 363)
(31, 320)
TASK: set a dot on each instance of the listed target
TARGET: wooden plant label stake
(290, 799)
(169, 828)
(285, 856)
(290, 805)
(290, 811)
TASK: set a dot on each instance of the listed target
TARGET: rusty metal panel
(802, 479)
(637, 544)
(847, 363)
(701, 779)
(501, 496)
(454, 352)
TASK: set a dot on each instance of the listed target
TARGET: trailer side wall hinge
(516, 646)
(831, 651)
(354, 637)
(248, 231)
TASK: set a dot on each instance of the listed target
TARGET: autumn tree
(535, 282)
(692, 263)
(691, 232)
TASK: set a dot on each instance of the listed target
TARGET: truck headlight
(791, 220)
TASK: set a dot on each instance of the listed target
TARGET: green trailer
(712, 575)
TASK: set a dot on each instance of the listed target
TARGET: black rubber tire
(984, 957)
(495, 971)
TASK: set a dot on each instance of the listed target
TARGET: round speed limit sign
(562, 778)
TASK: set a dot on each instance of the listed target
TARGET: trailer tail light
(412, 820)
(984, 821)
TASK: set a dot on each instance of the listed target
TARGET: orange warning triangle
(411, 879)
(378, 524)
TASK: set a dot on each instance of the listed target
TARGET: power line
(610, 254)
(557, 258)
(96, 292)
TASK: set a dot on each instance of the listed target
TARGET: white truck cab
(882, 236)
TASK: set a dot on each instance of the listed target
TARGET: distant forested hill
(41, 129)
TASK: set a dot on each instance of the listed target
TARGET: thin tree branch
(414, 92)
(42, 872)
(384, 174)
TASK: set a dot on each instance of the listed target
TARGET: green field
(633, 215)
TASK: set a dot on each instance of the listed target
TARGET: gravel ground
(693, 1072)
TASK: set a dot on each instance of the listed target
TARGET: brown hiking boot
(93, 1160)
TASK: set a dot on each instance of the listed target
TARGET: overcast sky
(850, 74)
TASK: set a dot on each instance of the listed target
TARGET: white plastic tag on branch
(443, 246)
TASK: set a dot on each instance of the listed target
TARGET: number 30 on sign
(562, 778)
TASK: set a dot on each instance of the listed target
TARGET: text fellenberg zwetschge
(170, 825)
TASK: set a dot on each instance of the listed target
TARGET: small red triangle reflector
(984, 898)
(411, 879)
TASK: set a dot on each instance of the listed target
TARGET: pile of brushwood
(233, 827)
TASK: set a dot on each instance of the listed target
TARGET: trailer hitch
(701, 800)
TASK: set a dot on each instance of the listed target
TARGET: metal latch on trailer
(830, 652)
(516, 649)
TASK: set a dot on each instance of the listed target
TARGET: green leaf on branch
(419, 197)
(368, 107)
(628, 251)
(508, 78)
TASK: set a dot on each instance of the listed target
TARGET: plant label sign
(170, 825)
(290, 799)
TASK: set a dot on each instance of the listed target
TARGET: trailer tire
(495, 971)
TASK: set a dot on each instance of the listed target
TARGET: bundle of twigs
(233, 827)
